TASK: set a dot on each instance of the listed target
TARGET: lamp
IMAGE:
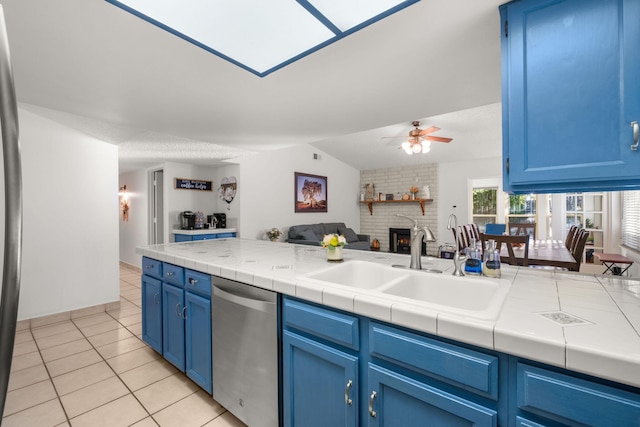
(416, 145)
(124, 202)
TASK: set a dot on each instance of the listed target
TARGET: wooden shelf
(370, 203)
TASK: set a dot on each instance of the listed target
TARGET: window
(485, 203)
(585, 210)
(521, 214)
(631, 219)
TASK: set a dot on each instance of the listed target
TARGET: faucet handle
(415, 221)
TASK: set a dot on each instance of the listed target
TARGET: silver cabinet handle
(371, 411)
(636, 132)
(148, 266)
(346, 393)
(193, 281)
(178, 310)
(156, 300)
(184, 312)
(169, 273)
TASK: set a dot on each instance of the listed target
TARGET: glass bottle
(473, 264)
(491, 260)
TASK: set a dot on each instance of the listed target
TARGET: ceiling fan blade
(438, 138)
(429, 130)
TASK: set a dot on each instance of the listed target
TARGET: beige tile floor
(95, 370)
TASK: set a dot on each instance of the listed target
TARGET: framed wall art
(310, 193)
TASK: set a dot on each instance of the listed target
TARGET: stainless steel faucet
(417, 237)
(458, 260)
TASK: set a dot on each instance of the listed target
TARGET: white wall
(453, 190)
(232, 210)
(266, 190)
(135, 231)
(179, 200)
(70, 233)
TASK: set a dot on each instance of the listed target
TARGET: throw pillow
(348, 234)
(309, 235)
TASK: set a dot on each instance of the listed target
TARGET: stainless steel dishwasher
(245, 351)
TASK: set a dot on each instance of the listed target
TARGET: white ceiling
(93, 66)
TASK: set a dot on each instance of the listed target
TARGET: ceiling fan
(419, 140)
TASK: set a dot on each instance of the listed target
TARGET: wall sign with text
(194, 184)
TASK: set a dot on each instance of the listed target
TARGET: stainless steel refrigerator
(13, 213)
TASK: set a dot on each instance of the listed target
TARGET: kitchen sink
(356, 274)
(477, 296)
(472, 296)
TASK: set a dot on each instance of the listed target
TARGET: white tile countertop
(583, 323)
(198, 231)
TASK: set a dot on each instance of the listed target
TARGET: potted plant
(274, 234)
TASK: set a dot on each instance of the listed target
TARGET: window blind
(631, 219)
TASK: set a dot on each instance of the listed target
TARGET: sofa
(312, 234)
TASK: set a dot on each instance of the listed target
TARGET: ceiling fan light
(408, 150)
(416, 148)
(426, 144)
(425, 150)
(406, 146)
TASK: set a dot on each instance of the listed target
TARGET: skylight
(262, 36)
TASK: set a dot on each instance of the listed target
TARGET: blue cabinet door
(397, 400)
(198, 339)
(152, 312)
(182, 238)
(173, 325)
(320, 384)
(570, 94)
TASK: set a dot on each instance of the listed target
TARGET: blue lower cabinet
(567, 400)
(186, 323)
(152, 312)
(397, 400)
(182, 238)
(326, 352)
(173, 325)
(195, 237)
(320, 384)
(198, 339)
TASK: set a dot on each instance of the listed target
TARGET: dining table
(552, 253)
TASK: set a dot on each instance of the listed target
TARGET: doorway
(156, 220)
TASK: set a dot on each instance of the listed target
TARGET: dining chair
(509, 241)
(580, 241)
(568, 241)
(475, 231)
(463, 239)
(492, 228)
(522, 228)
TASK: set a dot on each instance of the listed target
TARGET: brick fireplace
(400, 241)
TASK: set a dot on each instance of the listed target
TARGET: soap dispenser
(491, 260)
(473, 264)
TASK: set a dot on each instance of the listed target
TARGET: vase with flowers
(414, 191)
(334, 244)
(274, 234)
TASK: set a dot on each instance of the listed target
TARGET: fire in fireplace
(400, 241)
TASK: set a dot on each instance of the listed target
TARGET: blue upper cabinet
(570, 93)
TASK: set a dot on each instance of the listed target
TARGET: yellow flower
(333, 240)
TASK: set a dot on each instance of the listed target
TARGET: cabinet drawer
(572, 400)
(152, 267)
(332, 326)
(203, 237)
(172, 274)
(196, 281)
(464, 368)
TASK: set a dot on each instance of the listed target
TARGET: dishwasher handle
(245, 301)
